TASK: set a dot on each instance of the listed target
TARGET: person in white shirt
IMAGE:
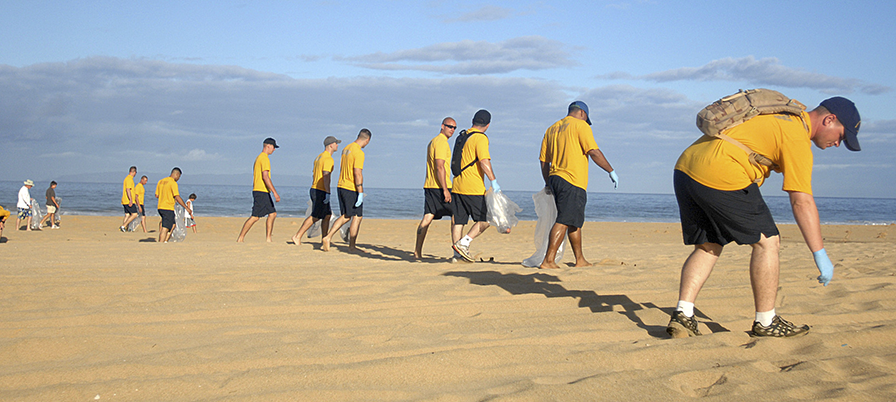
(24, 205)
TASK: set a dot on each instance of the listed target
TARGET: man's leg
(325, 242)
(143, 222)
(555, 238)
(28, 221)
(163, 234)
(575, 241)
(353, 231)
(325, 226)
(47, 216)
(246, 226)
(764, 268)
(297, 239)
(269, 226)
(421, 234)
(696, 270)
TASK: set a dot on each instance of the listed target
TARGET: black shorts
(468, 206)
(570, 201)
(262, 204)
(434, 203)
(319, 210)
(715, 216)
(130, 209)
(167, 218)
(347, 200)
(142, 210)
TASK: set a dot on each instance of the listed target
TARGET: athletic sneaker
(682, 326)
(464, 251)
(121, 228)
(780, 328)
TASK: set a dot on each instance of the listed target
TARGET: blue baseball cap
(584, 107)
(848, 116)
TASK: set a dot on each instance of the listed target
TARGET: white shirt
(24, 198)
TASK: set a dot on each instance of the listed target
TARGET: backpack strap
(470, 133)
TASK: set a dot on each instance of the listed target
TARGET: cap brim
(851, 140)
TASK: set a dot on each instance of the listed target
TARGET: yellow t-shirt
(470, 181)
(262, 163)
(167, 190)
(140, 191)
(438, 149)
(3, 213)
(352, 157)
(323, 163)
(127, 184)
(718, 164)
(565, 146)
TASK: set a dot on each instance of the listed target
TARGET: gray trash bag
(501, 211)
(314, 230)
(546, 211)
(179, 232)
(343, 231)
(36, 215)
(132, 227)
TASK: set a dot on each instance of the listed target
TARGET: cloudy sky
(88, 89)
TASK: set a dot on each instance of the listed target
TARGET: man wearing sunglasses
(437, 186)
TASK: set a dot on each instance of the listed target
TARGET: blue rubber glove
(824, 266)
(360, 200)
(495, 187)
(615, 179)
(327, 198)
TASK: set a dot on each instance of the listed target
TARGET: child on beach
(190, 222)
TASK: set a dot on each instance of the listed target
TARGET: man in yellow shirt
(468, 188)
(4, 214)
(320, 190)
(565, 150)
(717, 188)
(262, 188)
(141, 193)
(128, 199)
(437, 186)
(169, 194)
(350, 191)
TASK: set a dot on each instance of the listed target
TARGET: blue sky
(90, 88)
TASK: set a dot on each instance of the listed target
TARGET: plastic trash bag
(343, 231)
(179, 232)
(132, 227)
(314, 230)
(546, 210)
(36, 215)
(501, 211)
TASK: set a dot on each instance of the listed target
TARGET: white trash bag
(132, 227)
(314, 230)
(36, 215)
(501, 211)
(546, 211)
(179, 232)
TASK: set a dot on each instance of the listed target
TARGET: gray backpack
(735, 109)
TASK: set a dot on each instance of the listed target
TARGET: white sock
(765, 318)
(466, 240)
(686, 307)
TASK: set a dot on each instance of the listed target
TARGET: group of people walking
(167, 193)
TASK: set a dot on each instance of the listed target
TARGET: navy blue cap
(271, 141)
(584, 107)
(848, 116)
(482, 118)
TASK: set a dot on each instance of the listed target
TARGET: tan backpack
(735, 109)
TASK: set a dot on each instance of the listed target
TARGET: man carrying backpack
(717, 187)
(468, 189)
(565, 150)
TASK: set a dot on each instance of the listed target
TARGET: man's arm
(55, 202)
(545, 171)
(183, 204)
(486, 165)
(326, 179)
(359, 179)
(130, 197)
(440, 178)
(806, 215)
(600, 160)
(266, 178)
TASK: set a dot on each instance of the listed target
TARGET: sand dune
(91, 313)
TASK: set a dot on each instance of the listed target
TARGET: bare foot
(548, 265)
(325, 245)
(418, 256)
(353, 249)
(296, 240)
(583, 263)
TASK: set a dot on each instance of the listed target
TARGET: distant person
(350, 190)
(321, 173)
(437, 185)
(141, 193)
(24, 206)
(52, 207)
(468, 190)
(168, 195)
(565, 150)
(262, 188)
(129, 199)
(717, 188)
(190, 221)
(4, 215)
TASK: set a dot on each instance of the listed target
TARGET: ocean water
(225, 200)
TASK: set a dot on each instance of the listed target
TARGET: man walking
(320, 191)
(128, 199)
(350, 191)
(437, 186)
(168, 195)
(24, 205)
(262, 188)
(468, 188)
(719, 201)
(52, 206)
(141, 193)
(565, 150)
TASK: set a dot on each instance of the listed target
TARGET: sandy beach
(89, 313)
